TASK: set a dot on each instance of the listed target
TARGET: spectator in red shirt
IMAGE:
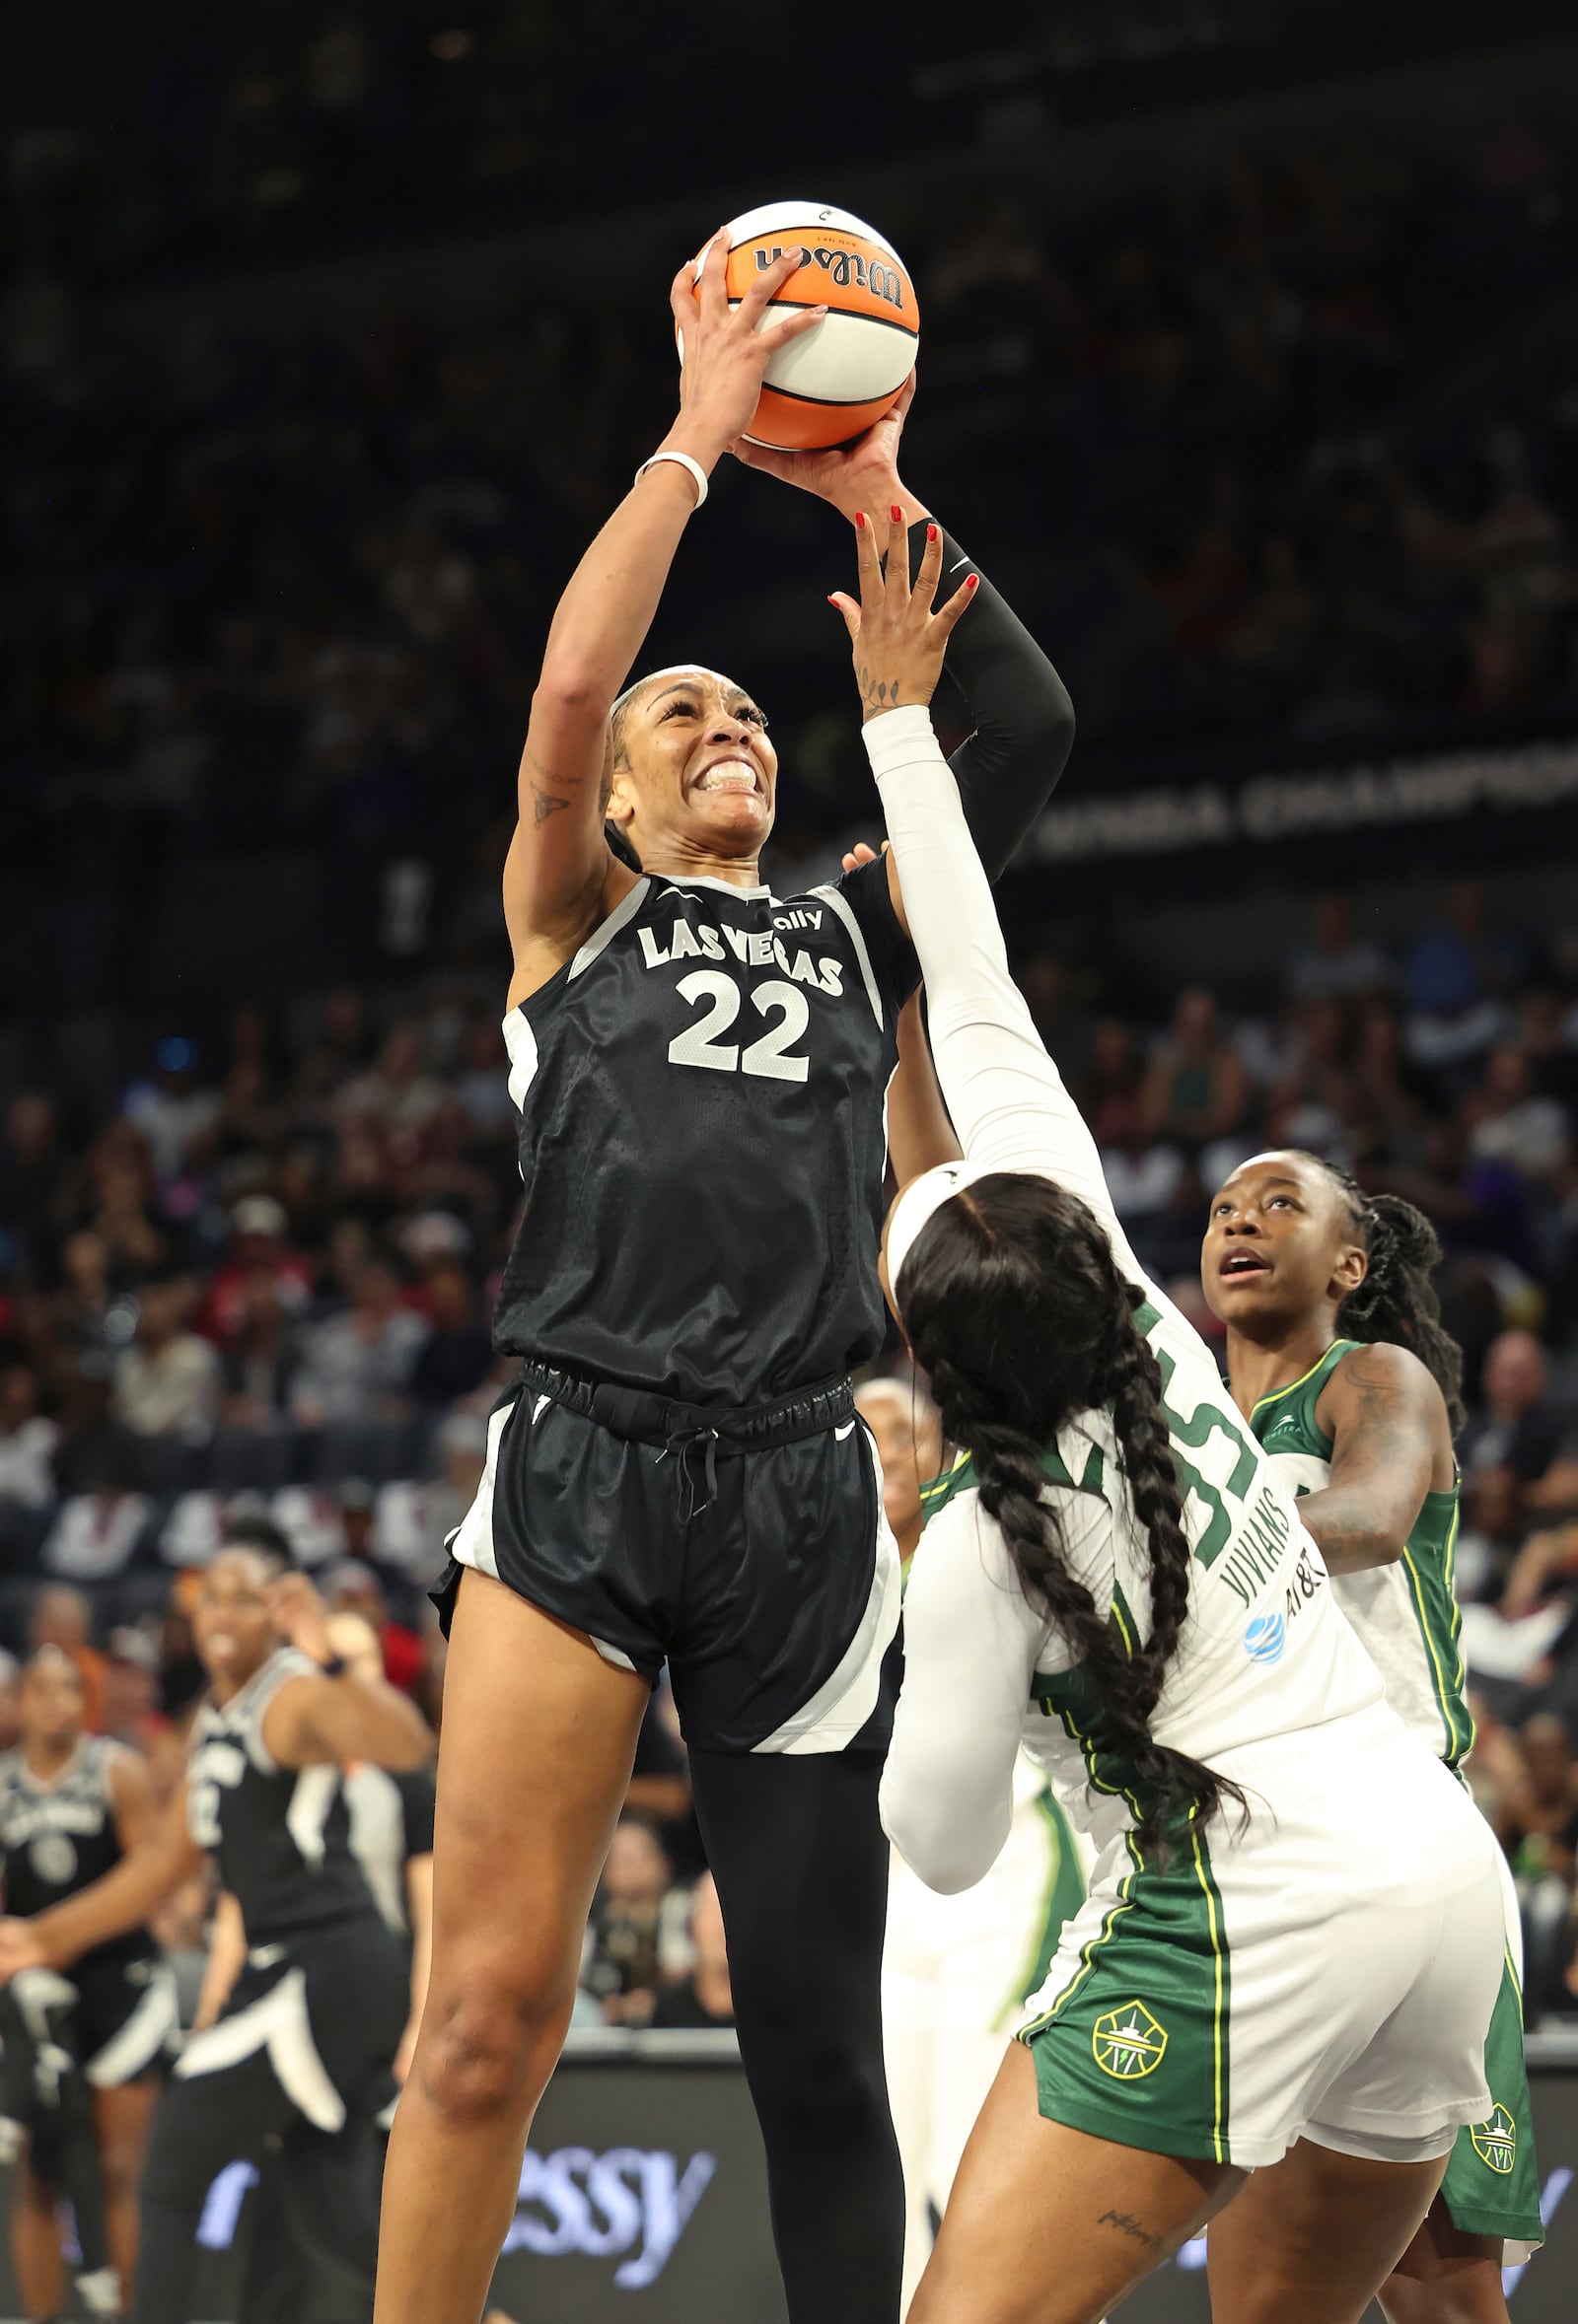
(258, 1246)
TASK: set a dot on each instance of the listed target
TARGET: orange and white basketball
(833, 382)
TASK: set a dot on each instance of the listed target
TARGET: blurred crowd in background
(1275, 464)
(1280, 463)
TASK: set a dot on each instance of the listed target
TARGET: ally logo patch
(1128, 2043)
(1496, 2141)
(1265, 1637)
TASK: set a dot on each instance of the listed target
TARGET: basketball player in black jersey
(77, 2073)
(700, 1070)
(301, 2047)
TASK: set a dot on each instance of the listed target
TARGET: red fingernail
(896, 511)
(974, 582)
(860, 520)
(832, 601)
(931, 532)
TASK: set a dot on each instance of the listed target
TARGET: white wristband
(680, 460)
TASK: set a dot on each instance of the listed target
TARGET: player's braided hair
(1014, 1305)
(1397, 1301)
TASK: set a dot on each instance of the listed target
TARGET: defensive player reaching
(78, 2073)
(679, 1472)
(1339, 1364)
(1288, 1951)
(303, 2045)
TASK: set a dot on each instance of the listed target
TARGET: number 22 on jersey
(772, 1057)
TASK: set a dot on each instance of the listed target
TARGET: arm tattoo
(545, 803)
(1386, 1437)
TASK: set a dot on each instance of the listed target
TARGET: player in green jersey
(1337, 1359)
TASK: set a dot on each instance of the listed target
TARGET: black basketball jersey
(281, 1835)
(58, 1837)
(702, 1094)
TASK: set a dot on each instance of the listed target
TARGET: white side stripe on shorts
(144, 2035)
(847, 1699)
(278, 2023)
(471, 1543)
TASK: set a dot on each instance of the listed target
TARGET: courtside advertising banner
(643, 2200)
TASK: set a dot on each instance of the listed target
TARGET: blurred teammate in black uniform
(77, 2072)
(701, 1071)
(300, 2049)
(392, 1839)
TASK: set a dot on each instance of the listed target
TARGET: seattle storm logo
(1496, 2141)
(1127, 2043)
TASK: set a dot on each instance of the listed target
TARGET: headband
(920, 1199)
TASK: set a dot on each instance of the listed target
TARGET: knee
(488, 2046)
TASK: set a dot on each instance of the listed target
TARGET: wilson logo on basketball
(846, 267)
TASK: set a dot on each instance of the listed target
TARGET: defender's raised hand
(898, 638)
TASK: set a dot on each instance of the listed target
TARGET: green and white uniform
(1407, 1615)
(1324, 1968)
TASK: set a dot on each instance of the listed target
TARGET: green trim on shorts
(1136, 2047)
(1492, 2181)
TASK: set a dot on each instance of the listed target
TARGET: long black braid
(1397, 1301)
(1015, 1307)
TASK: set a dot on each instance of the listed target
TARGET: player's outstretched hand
(860, 474)
(723, 353)
(301, 1616)
(19, 1949)
(860, 854)
(899, 636)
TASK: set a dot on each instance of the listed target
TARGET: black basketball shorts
(127, 2016)
(309, 2034)
(110, 2018)
(748, 1550)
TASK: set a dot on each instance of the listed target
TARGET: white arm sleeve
(970, 1644)
(1007, 1097)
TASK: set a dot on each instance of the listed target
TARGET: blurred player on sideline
(300, 2048)
(956, 1969)
(77, 2078)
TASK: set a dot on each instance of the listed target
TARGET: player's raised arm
(1007, 1099)
(558, 857)
(336, 1717)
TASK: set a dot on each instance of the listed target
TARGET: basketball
(833, 382)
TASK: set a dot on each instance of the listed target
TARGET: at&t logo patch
(1128, 2043)
(1496, 2141)
(1265, 1637)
